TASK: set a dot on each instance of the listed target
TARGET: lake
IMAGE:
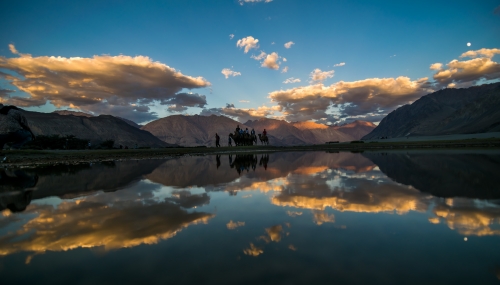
(398, 217)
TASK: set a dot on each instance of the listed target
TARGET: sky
(326, 61)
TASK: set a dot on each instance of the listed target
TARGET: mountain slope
(96, 129)
(448, 111)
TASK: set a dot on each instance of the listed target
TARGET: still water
(418, 217)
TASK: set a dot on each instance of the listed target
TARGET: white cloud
(248, 43)
(284, 59)
(260, 56)
(285, 69)
(318, 75)
(273, 43)
(271, 61)
(231, 36)
(228, 72)
(289, 44)
(244, 101)
(291, 80)
(468, 72)
(340, 64)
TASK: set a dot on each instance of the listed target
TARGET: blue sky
(374, 40)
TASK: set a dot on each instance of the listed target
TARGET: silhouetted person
(237, 129)
(229, 142)
(264, 132)
(217, 140)
(14, 127)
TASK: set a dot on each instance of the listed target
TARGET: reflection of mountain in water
(445, 174)
(16, 189)
(68, 181)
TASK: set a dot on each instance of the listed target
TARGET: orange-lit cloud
(321, 217)
(119, 85)
(92, 222)
(317, 75)
(355, 98)
(233, 225)
(248, 43)
(253, 250)
(271, 61)
(275, 232)
(228, 72)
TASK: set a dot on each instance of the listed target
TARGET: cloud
(253, 1)
(436, 66)
(291, 80)
(284, 59)
(244, 101)
(96, 83)
(5, 92)
(242, 115)
(481, 52)
(181, 101)
(271, 61)
(260, 56)
(231, 36)
(248, 43)
(339, 64)
(229, 105)
(466, 73)
(361, 97)
(318, 75)
(321, 217)
(289, 44)
(228, 72)
(285, 69)
(13, 49)
(253, 250)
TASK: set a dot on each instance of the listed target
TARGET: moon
(468, 44)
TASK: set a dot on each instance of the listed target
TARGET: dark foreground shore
(20, 158)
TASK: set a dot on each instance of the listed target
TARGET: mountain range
(447, 111)
(200, 130)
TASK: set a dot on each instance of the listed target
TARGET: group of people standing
(239, 131)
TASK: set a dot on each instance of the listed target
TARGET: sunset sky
(328, 61)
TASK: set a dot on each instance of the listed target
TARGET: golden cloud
(248, 43)
(481, 52)
(318, 75)
(271, 61)
(89, 222)
(274, 233)
(233, 225)
(466, 73)
(228, 72)
(253, 250)
(96, 84)
(321, 217)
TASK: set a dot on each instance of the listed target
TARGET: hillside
(96, 129)
(447, 111)
(200, 130)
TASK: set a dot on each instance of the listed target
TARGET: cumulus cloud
(248, 43)
(228, 72)
(285, 69)
(368, 96)
(284, 59)
(291, 80)
(436, 66)
(481, 52)
(468, 72)
(260, 56)
(229, 105)
(318, 75)
(289, 44)
(253, 1)
(231, 36)
(112, 83)
(181, 101)
(340, 64)
(242, 115)
(271, 61)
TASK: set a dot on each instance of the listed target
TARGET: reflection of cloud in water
(253, 250)
(108, 220)
(274, 233)
(233, 225)
(293, 214)
(321, 217)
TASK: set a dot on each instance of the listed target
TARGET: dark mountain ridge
(444, 112)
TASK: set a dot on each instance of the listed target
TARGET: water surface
(279, 218)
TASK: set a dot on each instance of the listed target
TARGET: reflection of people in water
(15, 192)
(264, 159)
(243, 162)
(217, 158)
